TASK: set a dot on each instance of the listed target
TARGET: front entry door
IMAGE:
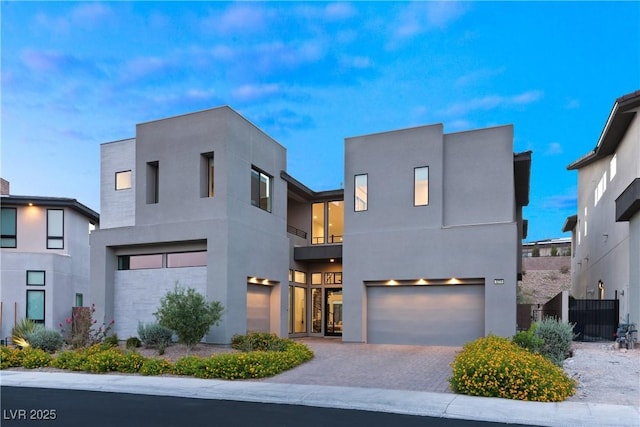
(333, 312)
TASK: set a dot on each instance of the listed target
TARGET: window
(360, 194)
(300, 277)
(123, 180)
(317, 226)
(35, 278)
(421, 186)
(35, 306)
(206, 175)
(316, 278)
(55, 229)
(79, 300)
(613, 165)
(333, 278)
(153, 182)
(260, 190)
(187, 259)
(336, 221)
(139, 262)
(8, 225)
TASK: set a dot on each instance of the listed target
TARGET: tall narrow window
(317, 229)
(206, 175)
(613, 165)
(79, 300)
(336, 221)
(360, 202)
(35, 306)
(8, 226)
(260, 190)
(421, 186)
(153, 182)
(55, 229)
(123, 180)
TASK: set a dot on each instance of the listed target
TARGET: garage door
(258, 308)
(425, 315)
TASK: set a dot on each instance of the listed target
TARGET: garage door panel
(425, 315)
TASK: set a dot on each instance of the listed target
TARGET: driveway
(400, 367)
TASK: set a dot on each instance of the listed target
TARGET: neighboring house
(44, 258)
(606, 229)
(422, 246)
(548, 247)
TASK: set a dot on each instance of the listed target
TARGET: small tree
(188, 314)
(536, 250)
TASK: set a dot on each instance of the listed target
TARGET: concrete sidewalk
(370, 399)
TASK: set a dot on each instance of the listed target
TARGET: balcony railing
(329, 240)
(296, 231)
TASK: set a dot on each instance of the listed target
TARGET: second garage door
(425, 315)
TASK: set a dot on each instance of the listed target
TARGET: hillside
(543, 278)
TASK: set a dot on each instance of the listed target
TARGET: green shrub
(188, 314)
(133, 342)
(108, 360)
(131, 362)
(154, 335)
(35, 358)
(528, 339)
(156, 367)
(259, 341)
(189, 365)
(10, 357)
(557, 337)
(45, 339)
(112, 340)
(21, 331)
(495, 367)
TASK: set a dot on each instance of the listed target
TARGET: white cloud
(339, 11)
(476, 76)
(572, 104)
(491, 102)
(252, 92)
(553, 149)
(420, 17)
(89, 14)
(237, 18)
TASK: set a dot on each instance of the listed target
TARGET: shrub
(131, 362)
(557, 337)
(188, 314)
(45, 339)
(156, 367)
(154, 335)
(528, 339)
(35, 358)
(259, 341)
(10, 357)
(133, 342)
(79, 330)
(21, 330)
(112, 340)
(495, 367)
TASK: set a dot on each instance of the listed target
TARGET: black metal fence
(594, 319)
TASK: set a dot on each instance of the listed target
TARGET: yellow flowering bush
(10, 357)
(35, 358)
(496, 367)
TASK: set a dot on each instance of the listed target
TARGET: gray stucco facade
(605, 230)
(286, 259)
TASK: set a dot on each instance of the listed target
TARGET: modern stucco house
(421, 246)
(44, 258)
(606, 229)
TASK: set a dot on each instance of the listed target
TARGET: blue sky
(77, 74)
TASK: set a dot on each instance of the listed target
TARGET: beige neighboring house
(605, 231)
(44, 258)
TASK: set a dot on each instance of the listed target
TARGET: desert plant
(495, 367)
(557, 337)
(528, 339)
(564, 269)
(154, 335)
(21, 330)
(112, 340)
(259, 341)
(188, 314)
(45, 339)
(133, 342)
(35, 358)
(155, 367)
(79, 330)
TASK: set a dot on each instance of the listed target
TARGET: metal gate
(594, 319)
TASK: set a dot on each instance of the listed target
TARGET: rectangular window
(336, 221)
(79, 300)
(123, 180)
(35, 306)
(316, 278)
(360, 193)
(333, 278)
(187, 259)
(55, 229)
(316, 301)
(153, 182)
(8, 222)
(206, 175)
(317, 226)
(35, 278)
(139, 262)
(300, 277)
(613, 164)
(421, 186)
(260, 190)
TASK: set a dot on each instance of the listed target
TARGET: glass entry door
(333, 312)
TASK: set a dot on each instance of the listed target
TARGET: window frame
(44, 278)
(117, 174)
(27, 306)
(207, 175)
(13, 236)
(416, 183)
(269, 189)
(153, 183)
(355, 192)
(51, 237)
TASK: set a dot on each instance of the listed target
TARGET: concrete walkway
(375, 378)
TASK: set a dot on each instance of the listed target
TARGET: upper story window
(421, 186)
(261, 189)
(613, 166)
(55, 229)
(330, 230)
(206, 175)
(123, 180)
(360, 202)
(8, 224)
(153, 182)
